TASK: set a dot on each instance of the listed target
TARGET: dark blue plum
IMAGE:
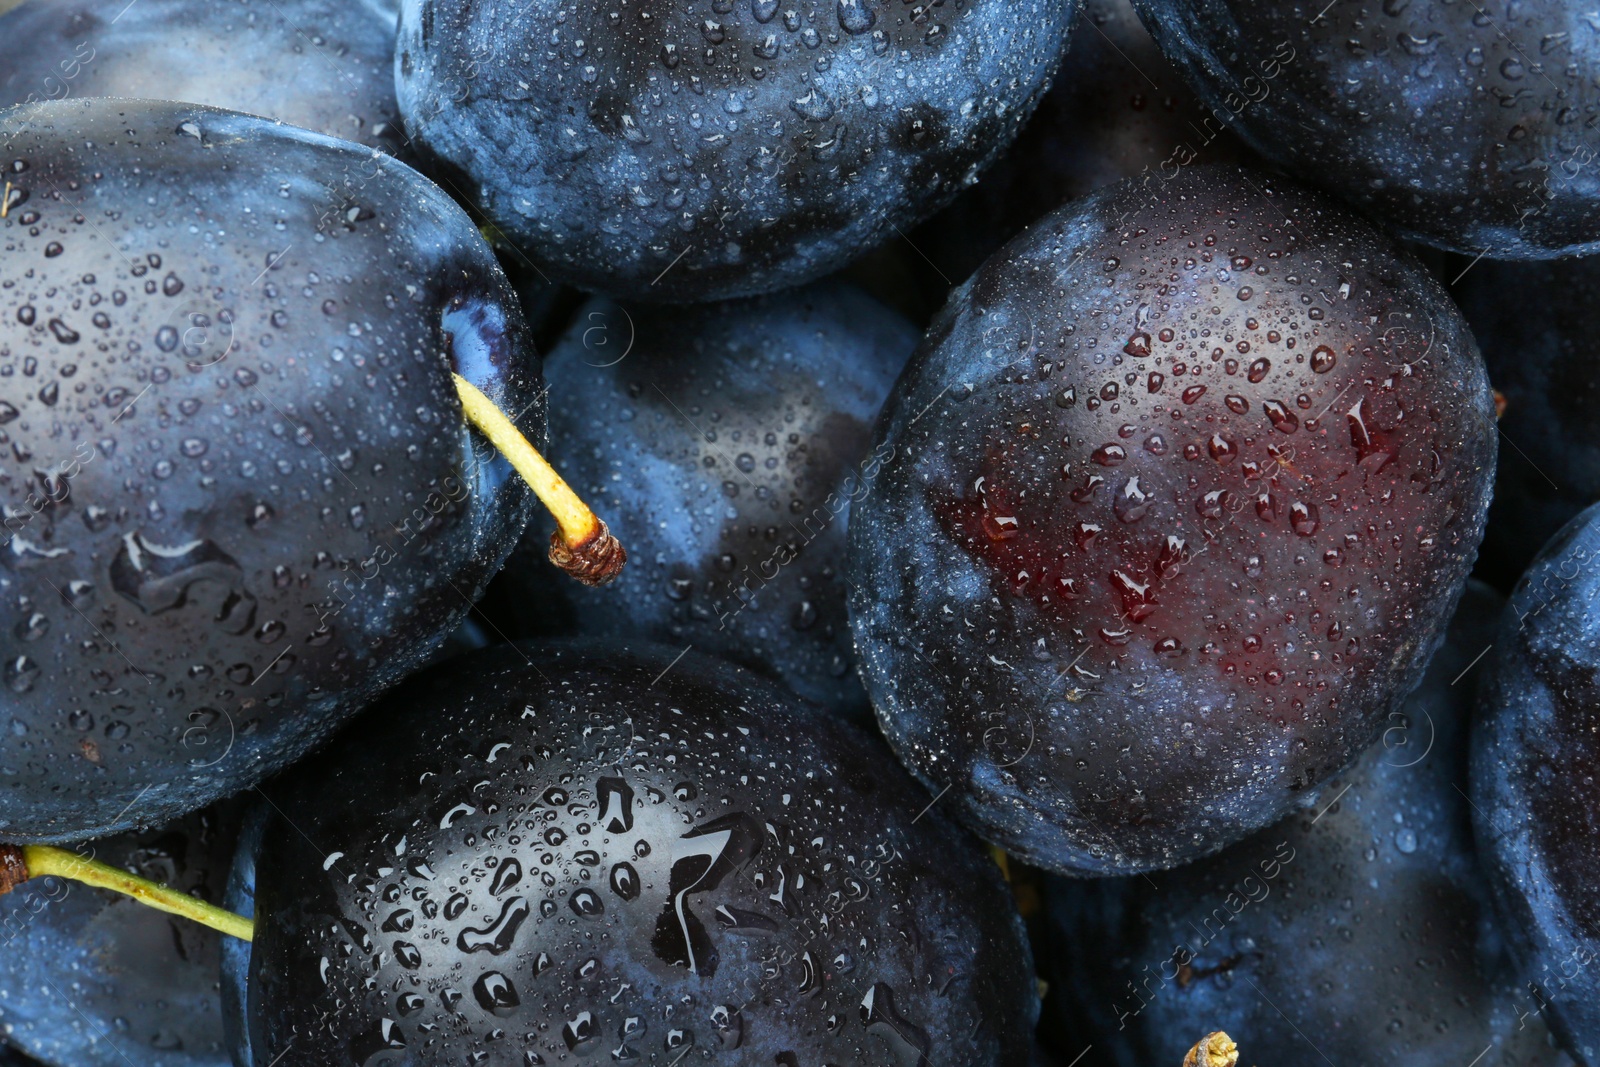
(1537, 324)
(239, 497)
(1116, 109)
(1463, 125)
(1182, 494)
(325, 65)
(1536, 799)
(92, 979)
(720, 148)
(545, 853)
(726, 443)
(1359, 928)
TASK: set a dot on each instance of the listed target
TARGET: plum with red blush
(1187, 479)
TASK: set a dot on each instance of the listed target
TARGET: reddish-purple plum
(1183, 491)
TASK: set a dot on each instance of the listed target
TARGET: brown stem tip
(1214, 1050)
(593, 561)
(13, 868)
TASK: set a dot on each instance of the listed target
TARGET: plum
(1184, 489)
(239, 495)
(1467, 128)
(719, 148)
(1536, 324)
(547, 852)
(1536, 806)
(1359, 928)
(325, 65)
(1117, 109)
(90, 979)
(727, 440)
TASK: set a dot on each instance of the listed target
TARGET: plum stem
(1214, 1050)
(582, 544)
(17, 865)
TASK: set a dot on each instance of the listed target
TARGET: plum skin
(717, 150)
(1364, 918)
(502, 860)
(1124, 646)
(1116, 109)
(322, 65)
(1465, 130)
(737, 542)
(250, 501)
(1534, 753)
(134, 987)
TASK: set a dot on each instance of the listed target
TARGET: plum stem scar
(582, 544)
(1214, 1050)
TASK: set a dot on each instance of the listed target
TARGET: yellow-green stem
(44, 860)
(582, 545)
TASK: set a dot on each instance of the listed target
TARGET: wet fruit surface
(239, 497)
(1187, 490)
(727, 443)
(93, 979)
(1359, 929)
(324, 65)
(1471, 126)
(1536, 800)
(720, 147)
(1116, 109)
(591, 851)
(1536, 324)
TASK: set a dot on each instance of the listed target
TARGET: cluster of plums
(1068, 461)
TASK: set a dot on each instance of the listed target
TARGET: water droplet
(507, 875)
(158, 578)
(625, 881)
(495, 994)
(20, 674)
(587, 904)
(1283, 420)
(1303, 518)
(497, 937)
(856, 16)
(1131, 503)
